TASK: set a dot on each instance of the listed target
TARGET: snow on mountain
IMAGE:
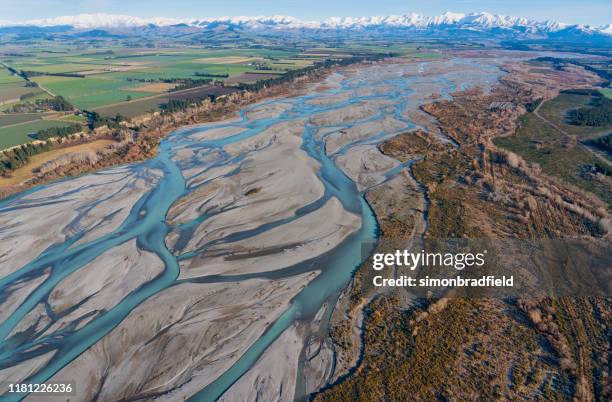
(474, 21)
(275, 21)
(88, 21)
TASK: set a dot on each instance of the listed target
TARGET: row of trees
(30, 74)
(598, 114)
(300, 72)
(604, 143)
(211, 75)
(64, 131)
(95, 120)
(175, 105)
(191, 83)
(56, 104)
(19, 156)
(178, 105)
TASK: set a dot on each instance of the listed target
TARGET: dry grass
(26, 172)
(155, 87)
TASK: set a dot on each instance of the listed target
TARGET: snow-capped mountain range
(475, 22)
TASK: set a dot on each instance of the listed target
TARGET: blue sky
(572, 11)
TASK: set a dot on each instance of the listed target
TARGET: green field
(74, 118)
(133, 109)
(115, 71)
(10, 92)
(114, 87)
(10, 119)
(555, 110)
(538, 142)
(15, 135)
(91, 92)
(112, 75)
(36, 94)
(7, 78)
(60, 68)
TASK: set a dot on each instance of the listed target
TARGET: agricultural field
(133, 108)
(21, 133)
(91, 92)
(12, 93)
(132, 81)
(12, 87)
(108, 77)
(18, 118)
(13, 90)
(7, 78)
(31, 97)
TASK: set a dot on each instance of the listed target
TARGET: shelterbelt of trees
(177, 105)
(56, 104)
(604, 143)
(293, 74)
(18, 156)
(597, 114)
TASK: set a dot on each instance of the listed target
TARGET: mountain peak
(473, 21)
(100, 20)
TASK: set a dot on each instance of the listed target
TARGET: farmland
(90, 92)
(118, 80)
(12, 87)
(131, 81)
(133, 108)
(105, 78)
(20, 133)
(7, 78)
(17, 118)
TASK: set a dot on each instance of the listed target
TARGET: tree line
(57, 104)
(603, 143)
(20, 155)
(61, 132)
(179, 105)
(597, 114)
(300, 72)
(175, 105)
(95, 120)
(197, 74)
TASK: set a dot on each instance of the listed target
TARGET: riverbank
(138, 139)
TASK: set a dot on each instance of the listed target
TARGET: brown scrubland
(477, 349)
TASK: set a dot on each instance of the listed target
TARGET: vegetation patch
(10, 119)
(26, 132)
(550, 140)
(597, 114)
